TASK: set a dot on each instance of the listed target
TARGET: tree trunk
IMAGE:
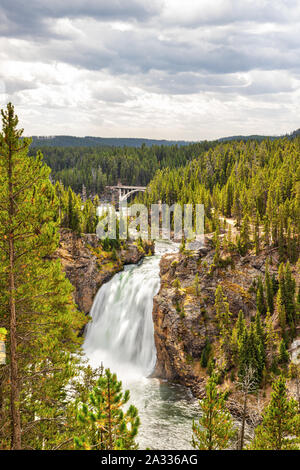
(243, 423)
(109, 415)
(14, 378)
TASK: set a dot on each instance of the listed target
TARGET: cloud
(111, 94)
(222, 12)
(14, 85)
(146, 64)
(34, 18)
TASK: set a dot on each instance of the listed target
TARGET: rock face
(184, 318)
(177, 337)
(82, 266)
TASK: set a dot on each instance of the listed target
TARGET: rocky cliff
(88, 268)
(184, 312)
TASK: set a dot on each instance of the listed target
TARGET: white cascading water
(121, 336)
(121, 332)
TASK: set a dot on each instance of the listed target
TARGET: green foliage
(252, 350)
(271, 338)
(269, 290)
(97, 167)
(257, 234)
(76, 213)
(286, 301)
(251, 180)
(244, 238)
(205, 356)
(215, 427)
(283, 353)
(197, 286)
(106, 425)
(223, 316)
(260, 298)
(36, 302)
(280, 428)
(240, 325)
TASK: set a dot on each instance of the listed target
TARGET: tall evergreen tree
(257, 234)
(215, 427)
(281, 310)
(106, 425)
(269, 289)
(36, 305)
(260, 298)
(223, 316)
(251, 353)
(271, 337)
(280, 428)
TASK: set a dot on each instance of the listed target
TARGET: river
(121, 336)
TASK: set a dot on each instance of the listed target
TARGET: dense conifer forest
(49, 397)
(97, 167)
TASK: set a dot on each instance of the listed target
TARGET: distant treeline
(94, 166)
(88, 141)
(71, 141)
(97, 167)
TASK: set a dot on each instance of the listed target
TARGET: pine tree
(257, 234)
(281, 241)
(260, 298)
(244, 240)
(252, 352)
(241, 325)
(259, 329)
(280, 428)
(269, 289)
(106, 425)
(271, 337)
(197, 286)
(223, 316)
(205, 356)
(73, 214)
(36, 304)
(283, 353)
(215, 427)
(281, 310)
(237, 209)
(290, 291)
(286, 304)
(90, 218)
(266, 235)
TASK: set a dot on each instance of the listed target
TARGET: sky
(164, 69)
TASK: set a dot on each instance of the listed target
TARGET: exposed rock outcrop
(79, 259)
(184, 318)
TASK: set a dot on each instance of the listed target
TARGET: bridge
(124, 192)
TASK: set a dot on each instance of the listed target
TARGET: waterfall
(121, 334)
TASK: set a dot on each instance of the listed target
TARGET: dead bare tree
(247, 385)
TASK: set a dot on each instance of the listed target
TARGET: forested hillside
(252, 182)
(229, 315)
(96, 167)
(72, 141)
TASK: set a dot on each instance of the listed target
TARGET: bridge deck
(126, 187)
